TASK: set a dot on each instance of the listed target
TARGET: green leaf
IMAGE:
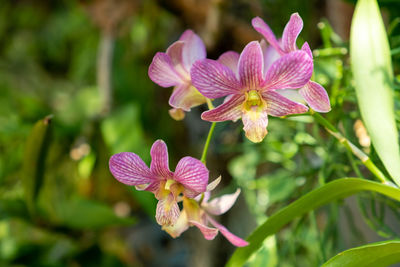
(79, 213)
(34, 161)
(376, 254)
(373, 75)
(327, 193)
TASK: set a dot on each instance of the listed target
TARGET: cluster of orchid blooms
(263, 80)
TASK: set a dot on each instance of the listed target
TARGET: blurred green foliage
(60, 206)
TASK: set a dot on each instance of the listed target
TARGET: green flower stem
(350, 147)
(210, 133)
(206, 145)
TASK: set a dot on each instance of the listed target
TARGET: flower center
(253, 98)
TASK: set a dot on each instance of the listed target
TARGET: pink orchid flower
(197, 212)
(251, 89)
(190, 178)
(173, 69)
(313, 93)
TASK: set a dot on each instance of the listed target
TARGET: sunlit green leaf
(376, 254)
(329, 192)
(372, 68)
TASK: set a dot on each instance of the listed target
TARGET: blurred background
(74, 90)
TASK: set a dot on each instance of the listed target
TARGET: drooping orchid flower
(190, 178)
(173, 69)
(313, 93)
(198, 212)
(251, 90)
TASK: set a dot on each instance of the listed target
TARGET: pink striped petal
(229, 110)
(211, 186)
(270, 55)
(185, 96)
(162, 71)
(129, 168)
(193, 175)
(174, 52)
(260, 26)
(255, 121)
(306, 48)
(316, 97)
(167, 211)
(222, 204)
(159, 160)
(290, 33)
(291, 71)
(180, 226)
(208, 232)
(230, 59)
(214, 79)
(193, 49)
(235, 240)
(251, 65)
(278, 105)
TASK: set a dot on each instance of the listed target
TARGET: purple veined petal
(159, 160)
(251, 66)
(180, 226)
(255, 122)
(129, 168)
(222, 204)
(316, 97)
(291, 71)
(175, 52)
(208, 232)
(193, 175)
(162, 71)
(291, 32)
(270, 55)
(235, 240)
(213, 79)
(151, 187)
(230, 59)
(229, 110)
(278, 105)
(193, 50)
(262, 27)
(306, 48)
(167, 211)
(185, 96)
(211, 186)
(292, 95)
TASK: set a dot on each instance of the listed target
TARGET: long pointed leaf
(329, 192)
(373, 74)
(34, 160)
(376, 254)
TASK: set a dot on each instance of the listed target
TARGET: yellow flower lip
(169, 183)
(253, 98)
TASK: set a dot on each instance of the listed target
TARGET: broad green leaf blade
(34, 161)
(327, 193)
(376, 254)
(373, 74)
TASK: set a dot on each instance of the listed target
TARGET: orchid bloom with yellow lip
(189, 179)
(173, 69)
(198, 212)
(250, 88)
(313, 93)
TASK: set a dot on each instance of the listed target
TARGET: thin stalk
(351, 147)
(210, 133)
(206, 145)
